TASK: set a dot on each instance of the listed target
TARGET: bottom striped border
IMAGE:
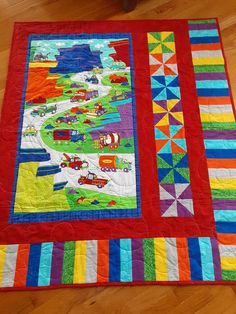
(116, 261)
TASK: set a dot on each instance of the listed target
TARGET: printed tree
(32, 52)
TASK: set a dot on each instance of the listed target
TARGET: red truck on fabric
(68, 135)
(78, 110)
(92, 179)
(114, 78)
(73, 162)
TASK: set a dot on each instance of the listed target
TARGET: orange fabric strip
(223, 100)
(183, 259)
(201, 47)
(227, 239)
(103, 261)
(217, 163)
(21, 265)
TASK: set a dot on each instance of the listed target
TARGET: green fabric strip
(149, 260)
(219, 125)
(210, 21)
(228, 274)
(209, 68)
(223, 194)
(68, 262)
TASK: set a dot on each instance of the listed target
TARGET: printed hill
(121, 48)
(41, 84)
(76, 59)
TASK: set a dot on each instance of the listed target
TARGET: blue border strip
(137, 170)
(90, 214)
(79, 36)
(76, 215)
(16, 170)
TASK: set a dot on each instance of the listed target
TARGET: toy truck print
(43, 110)
(66, 119)
(73, 162)
(114, 78)
(92, 179)
(97, 111)
(68, 135)
(122, 96)
(30, 131)
(114, 163)
(111, 140)
(93, 79)
(78, 110)
(97, 70)
(84, 94)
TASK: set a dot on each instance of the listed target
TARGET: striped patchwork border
(103, 261)
(159, 260)
(219, 131)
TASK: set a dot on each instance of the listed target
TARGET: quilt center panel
(77, 144)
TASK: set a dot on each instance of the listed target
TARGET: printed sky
(51, 46)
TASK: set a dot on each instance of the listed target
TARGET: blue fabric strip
(220, 144)
(212, 84)
(206, 259)
(203, 33)
(114, 260)
(205, 40)
(225, 215)
(226, 227)
(195, 259)
(220, 153)
(125, 260)
(33, 265)
(45, 264)
(213, 92)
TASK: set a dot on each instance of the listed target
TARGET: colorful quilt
(117, 156)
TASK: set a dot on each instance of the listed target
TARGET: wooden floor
(148, 299)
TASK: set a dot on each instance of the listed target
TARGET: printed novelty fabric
(118, 156)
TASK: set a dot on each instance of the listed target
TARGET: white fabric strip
(227, 250)
(172, 259)
(207, 54)
(91, 261)
(10, 266)
(216, 108)
(223, 173)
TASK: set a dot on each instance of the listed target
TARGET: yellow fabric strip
(216, 117)
(80, 262)
(220, 183)
(208, 61)
(3, 251)
(160, 259)
(43, 64)
(228, 263)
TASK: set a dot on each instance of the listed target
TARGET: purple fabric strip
(210, 76)
(216, 259)
(202, 26)
(137, 260)
(228, 134)
(57, 261)
(224, 204)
